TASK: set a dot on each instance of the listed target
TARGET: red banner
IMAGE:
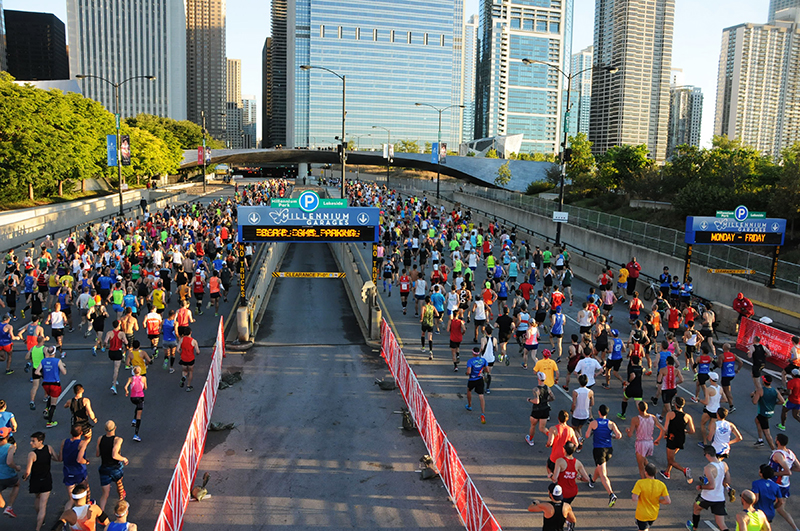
(200, 157)
(777, 341)
(180, 488)
(472, 510)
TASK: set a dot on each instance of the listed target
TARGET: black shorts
(601, 347)
(556, 335)
(183, 330)
(608, 307)
(476, 385)
(690, 349)
(214, 295)
(540, 414)
(115, 355)
(427, 328)
(479, 323)
(199, 296)
(39, 485)
(710, 414)
(578, 423)
(757, 369)
(644, 525)
(57, 332)
(668, 394)
(153, 336)
(726, 381)
(702, 378)
(586, 329)
(455, 344)
(717, 508)
(614, 365)
(186, 363)
(540, 317)
(676, 443)
(789, 368)
(67, 309)
(551, 466)
(763, 421)
(602, 455)
(504, 338)
(138, 401)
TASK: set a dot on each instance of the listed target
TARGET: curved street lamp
(565, 124)
(118, 118)
(440, 111)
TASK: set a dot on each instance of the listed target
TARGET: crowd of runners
(135, 287)
(483, 286)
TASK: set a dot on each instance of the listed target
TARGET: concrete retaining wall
(715, 287)
(258, 295)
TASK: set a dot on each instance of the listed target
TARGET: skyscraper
(393, 54)
(758, 84)
(206, 64)
(107, 39)
(36, 46)
(275, 126)
(778, 5)
(581, 91)
(631, 106)
(266, 96)
(233, 112)
(249, 119)
(685, 116)
(512, 97)
(469, 55)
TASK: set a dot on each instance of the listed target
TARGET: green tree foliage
(406, 146)
(537, 187)
(428, 147)
(537, 157)
(492, 154)
(623, 167)
(185, 134)
(503, 174)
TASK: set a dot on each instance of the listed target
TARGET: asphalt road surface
(165, 419)
(317, 444)
(509, 473)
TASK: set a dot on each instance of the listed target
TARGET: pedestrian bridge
(475, 170)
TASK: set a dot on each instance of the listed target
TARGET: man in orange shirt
(557, 437)
(214, 288)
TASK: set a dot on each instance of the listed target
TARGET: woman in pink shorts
(643, 425)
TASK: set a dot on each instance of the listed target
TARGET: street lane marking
(711, 525)
(64, 392)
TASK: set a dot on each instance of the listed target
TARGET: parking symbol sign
(309, 201)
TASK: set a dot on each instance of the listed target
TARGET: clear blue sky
(696, 43)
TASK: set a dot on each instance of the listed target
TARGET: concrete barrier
(367, 312)
(712, 286)
(260, 289)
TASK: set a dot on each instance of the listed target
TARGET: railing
(655, 237)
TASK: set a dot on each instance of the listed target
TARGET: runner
(117, 342)
(548, 367)
(57, 321)
(189, 351)
(567, 470)
(677, 424)
(703, 372)
(523, 322)
(404, 281)
(632, 388)
(557, 321)
(766, 397)
(170, 341)
(505, 327)
(120, 522)
(135, 388)
(531, 345)
(719, 434)
(691, 338)
(615, 359)
(582, 404)
(438, 301)
(588, 367)
(38, 475)
(98, 315)
(557, 437)
(456, 328)
(668, 378)
(758, 353)
(8, 472)
(540, 410)
(555, 513)
(429, 315)
(643, 425)
(711, 400)
(82, 412)
(152, 323)
(731, 364)
(649, 494)
(35, 356)
(475, 367)
(199, 290)
(82, 515)
(751, 519)
(184, 318)
(712, 494)
(51, 370)
(783, 462)
(604, 431)
(7, 338)
(72, 453)
(488, 350)
(420, 292)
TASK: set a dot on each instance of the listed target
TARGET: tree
(623, 167)
(406, 146)
(492, 154)
(786, 193)
(428, 147)
(582, 161)
(503, 174)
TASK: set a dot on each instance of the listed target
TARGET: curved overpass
(475, 170)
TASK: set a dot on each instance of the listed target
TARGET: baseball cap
(615, 332)
(119, 277)
(5, 432)
(546, 353)
(555, 491)
(542, 376)
(795, 372)
(715, 377)
(488, 284)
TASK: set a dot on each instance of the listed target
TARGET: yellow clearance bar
(314, 274)
(733, 271)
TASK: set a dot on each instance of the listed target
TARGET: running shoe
(605, 386)
(781, 427)
(695, 374)
(507, 360)
(467, 407)
(189, 389)
(732, 409)
(183, 380)
(94, 351)
(524, 366)
(591, 483)
(620, 416)
(664, 474)
(660, 418)
(9, 512)
(23, 314)
(759, 443)
(52, 424)
(695, 400)
(28, 366)
(689, 525)
(686, 368)
(155, 354)
(529, 440)
(137, 438)
(114, 389)
(430, 355)
(488, 392)
(171, 370)
(9, 371)
(15, 318)
(654, 399)
(165, 364)
(483, 419)
(612, 499)
(688, 474)
(648, 373)
(133, 423)
(217, 315)
(33, 406)
(701, 444)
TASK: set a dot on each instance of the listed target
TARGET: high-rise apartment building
(233, 113)
(249, 122)
(631, 106)
(581, 96)
(779, 5)
(36, 46)
(758, 84)
(206, 64)
(393, 54)
(469, 55)
(515, 98)
(276, 50)
(266, 95)
(685, 116)
(119, 39)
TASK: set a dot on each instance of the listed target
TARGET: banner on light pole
(442, 152)
(111, 150)
(200, 155)
(125, 150)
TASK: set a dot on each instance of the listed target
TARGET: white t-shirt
(581, 403)
(452, 300)
(480, 310)
(588, 366)
(419, 287)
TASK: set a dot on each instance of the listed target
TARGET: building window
(358, 34)
(340, 32)
(441, 41)
(322, 30)
(391, 36)
(425, 39)
(374, 35)
(409, 37)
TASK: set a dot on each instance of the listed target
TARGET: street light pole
(117, 119)
(342, 154)
(388, 159)
(439, 137)
(203, 115)
(565, 126)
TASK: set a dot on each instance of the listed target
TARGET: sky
(695, 46)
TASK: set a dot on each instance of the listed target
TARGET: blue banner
(111, 149)
(328, 217)
(435, 153)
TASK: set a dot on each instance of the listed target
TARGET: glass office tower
(393, 54)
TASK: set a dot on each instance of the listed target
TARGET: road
(509, 473)
(166, 416)
(317, 443)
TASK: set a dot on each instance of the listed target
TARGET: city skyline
(696, 47)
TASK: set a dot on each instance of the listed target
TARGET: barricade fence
(180, 487)
(777, 341)
(471, 508)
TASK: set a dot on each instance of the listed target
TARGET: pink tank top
(137, 389)
(645, 430)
